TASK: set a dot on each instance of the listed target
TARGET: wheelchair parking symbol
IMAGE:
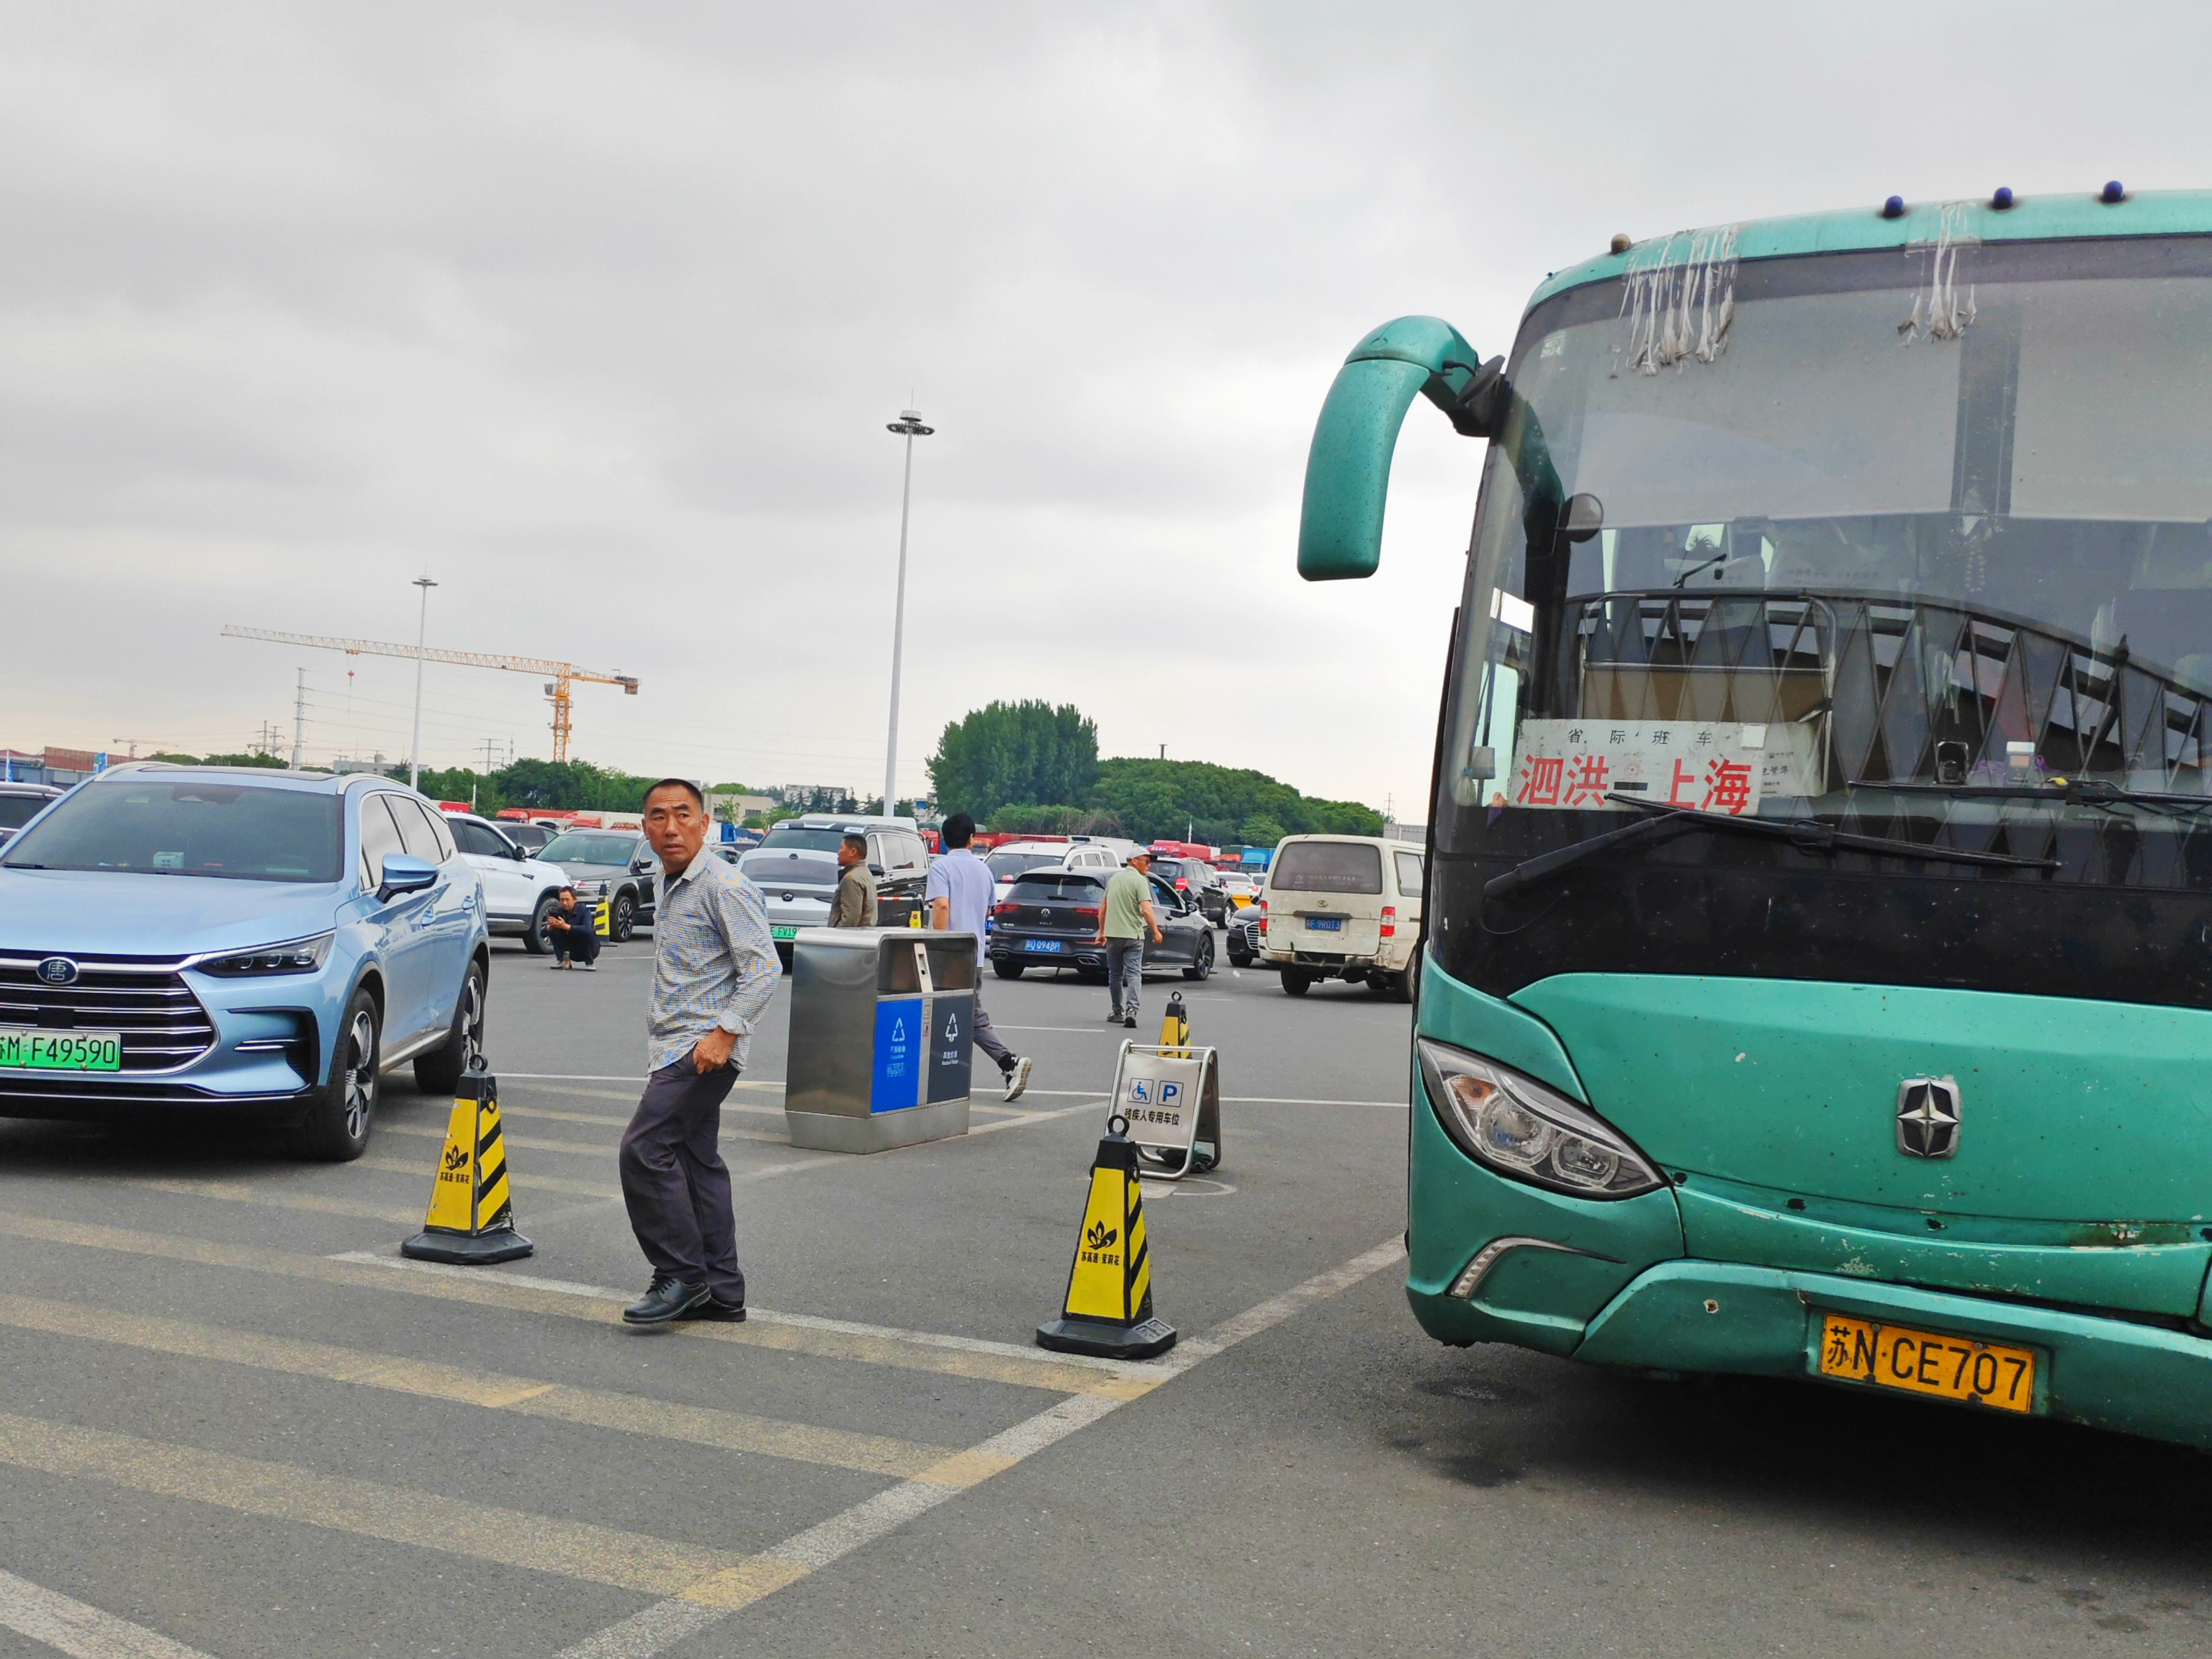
(1141, 1091)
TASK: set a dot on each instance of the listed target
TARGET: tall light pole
(909, 427)
(415, 743)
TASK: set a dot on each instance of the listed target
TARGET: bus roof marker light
(2113, 193)
(1620, 243)
(2003, 198)
(1894, 207)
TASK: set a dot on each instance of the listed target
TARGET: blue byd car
(177, 939)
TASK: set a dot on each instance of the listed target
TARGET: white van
(1344, 906)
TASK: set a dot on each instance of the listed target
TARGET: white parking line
(666, 1622)
(83, 1632)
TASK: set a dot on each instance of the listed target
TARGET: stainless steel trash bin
(882, 1034)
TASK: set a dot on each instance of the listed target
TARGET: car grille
(162, 1023)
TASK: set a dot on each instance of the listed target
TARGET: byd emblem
(57, 970)
(1927, 1117)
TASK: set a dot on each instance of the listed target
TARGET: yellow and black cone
(602, 918)
(1175, 1030)
(1107, 1309)
(471, 1220)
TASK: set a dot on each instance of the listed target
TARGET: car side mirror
(404, 872)
(875, 869)
(520, 854)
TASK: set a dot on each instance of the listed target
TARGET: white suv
(520, 891)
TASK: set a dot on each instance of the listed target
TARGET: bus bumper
(1714, 1317)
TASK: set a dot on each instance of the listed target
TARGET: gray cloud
(598, 313)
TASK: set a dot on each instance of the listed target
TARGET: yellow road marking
(281, 1492)
(492, 1290)
(735, 1431)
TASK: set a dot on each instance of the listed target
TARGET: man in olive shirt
(1126, 920)
(854, 905)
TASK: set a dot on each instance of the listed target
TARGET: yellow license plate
(1922, 1362)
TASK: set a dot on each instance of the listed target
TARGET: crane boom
(562, 672)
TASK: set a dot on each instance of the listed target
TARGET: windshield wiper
(1805, 834)
(2071, 791)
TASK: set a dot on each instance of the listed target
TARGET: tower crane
(563, 673)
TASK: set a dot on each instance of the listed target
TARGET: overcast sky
(595, 314)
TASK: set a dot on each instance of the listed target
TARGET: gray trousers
(674, 1181)
(986, 1039)
(1125, 973)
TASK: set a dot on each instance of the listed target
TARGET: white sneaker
(1017, 1077)
(591, 967)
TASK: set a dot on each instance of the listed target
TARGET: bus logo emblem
(1927, 1117)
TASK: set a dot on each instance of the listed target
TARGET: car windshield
(201, 827)
(1936, 516)
(1004, 866)
(1329, 866)
(1056, 889)
(15, 810)
(790, 838)
(588, 847)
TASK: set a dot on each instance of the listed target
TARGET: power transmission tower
(299, 719)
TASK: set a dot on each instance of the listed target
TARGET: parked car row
(219, 942)
(1050, 919)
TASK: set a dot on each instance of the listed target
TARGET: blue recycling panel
(901, 1055)
(952, 1035)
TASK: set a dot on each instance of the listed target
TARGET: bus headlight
(1517, 1127)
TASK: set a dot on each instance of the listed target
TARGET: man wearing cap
(1125, 922)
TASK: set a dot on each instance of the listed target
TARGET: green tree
(570, 786)
(1260, 830)
(1014, 751)
(1158, 800)
(278, 761)
(457, 783)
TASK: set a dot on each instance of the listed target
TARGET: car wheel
(336, 1127)
(1296, 981)
(439, 1071)
(1008, 969)
(619, 917)
(534, 938)
(1203, 967)
(1239, 958)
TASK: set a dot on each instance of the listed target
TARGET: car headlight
(299, 956)
(1518, 1127)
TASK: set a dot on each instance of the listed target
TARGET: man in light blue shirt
(959, 895)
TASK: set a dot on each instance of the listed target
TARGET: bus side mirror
(1348, 467)
(1584, 519)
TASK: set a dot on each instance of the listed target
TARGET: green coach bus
(1818, 972)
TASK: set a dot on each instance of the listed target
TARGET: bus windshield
(1875, 525)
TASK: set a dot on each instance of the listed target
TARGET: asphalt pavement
(232, 1423)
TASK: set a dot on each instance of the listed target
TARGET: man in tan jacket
(854, 905)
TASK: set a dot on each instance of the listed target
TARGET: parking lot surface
(233, 1422)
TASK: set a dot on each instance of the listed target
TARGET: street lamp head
(908, 424)
(425, 584)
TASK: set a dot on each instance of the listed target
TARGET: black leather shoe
(717, 1311)
(667, 1299)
